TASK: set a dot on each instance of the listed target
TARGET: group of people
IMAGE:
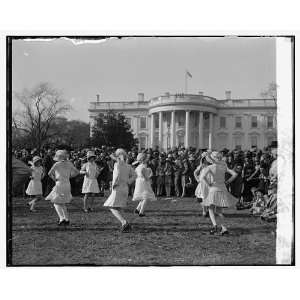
(216, 179)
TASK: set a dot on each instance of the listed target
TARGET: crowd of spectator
(173, 173)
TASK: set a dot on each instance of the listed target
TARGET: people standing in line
(184, 175)
(61, 172)
(48, 163)
(90, 184)
(202, 189)
(153, 165)
(236, 186)
(177, 175)
(123, 176)
(35, 188)
(160, 177)
(218, 196)
(143, 191)
(168, 175)
(103, 173)
(20, 175)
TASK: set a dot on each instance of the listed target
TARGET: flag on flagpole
(189, 74)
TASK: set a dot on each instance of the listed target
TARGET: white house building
(196, 120)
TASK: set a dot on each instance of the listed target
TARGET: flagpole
(185, 84)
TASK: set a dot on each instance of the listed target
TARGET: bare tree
(37, 110)
(270, 92)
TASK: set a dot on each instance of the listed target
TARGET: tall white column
(152, 130)
(231, 129)
(187, 129)
(210, 132)
(160, 130)
(200, 130)
(173, 129)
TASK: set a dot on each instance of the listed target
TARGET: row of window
(143, 122)
(181, 122)
(254, 122)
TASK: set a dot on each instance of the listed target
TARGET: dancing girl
(202, 189)
(123, 176)
(34, 188)
(218, 196)
(90, 185)
(143, 191)
(61, 172)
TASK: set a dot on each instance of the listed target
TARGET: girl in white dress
(143, 191)
(90, 185)
(218, 196)
(35, 185)
(123, 176)
(61, 172)
(202, 189)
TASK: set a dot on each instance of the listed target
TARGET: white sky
(120, 68)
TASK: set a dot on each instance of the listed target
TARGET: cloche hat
(90, 154)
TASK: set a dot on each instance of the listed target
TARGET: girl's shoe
(205, 215)
(126, 227)
(66, 222)
(141, 215)
(214, 230)
(60, 223)
(136, 212)
(224, 232)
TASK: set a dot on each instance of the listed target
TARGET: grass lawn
(172, 233)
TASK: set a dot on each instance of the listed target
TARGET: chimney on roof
(167, 94)
(140, 97)
(200, 93)
(228, 95)
(98, 97)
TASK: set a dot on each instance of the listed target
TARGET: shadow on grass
(147, 228)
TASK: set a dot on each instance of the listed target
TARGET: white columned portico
(152, 130)
(187, 129)
(210, 132)
(173, 143)
(160, 130)
(200, 130)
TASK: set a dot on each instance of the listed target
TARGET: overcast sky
(118, 69)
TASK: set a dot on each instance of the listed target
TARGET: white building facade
(196, 120)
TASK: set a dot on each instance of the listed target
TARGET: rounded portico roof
(183, 102)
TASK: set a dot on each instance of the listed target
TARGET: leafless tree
(270, 92)
(36, 111)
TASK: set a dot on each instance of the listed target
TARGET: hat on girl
(35, 160)
(213, 157)
(90, 154)
(60, 155)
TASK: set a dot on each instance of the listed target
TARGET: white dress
(61, 192)
(143, 190)
(202, 188)
(90, 183)
(35, 185)
(123, 175)
(218, 194)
